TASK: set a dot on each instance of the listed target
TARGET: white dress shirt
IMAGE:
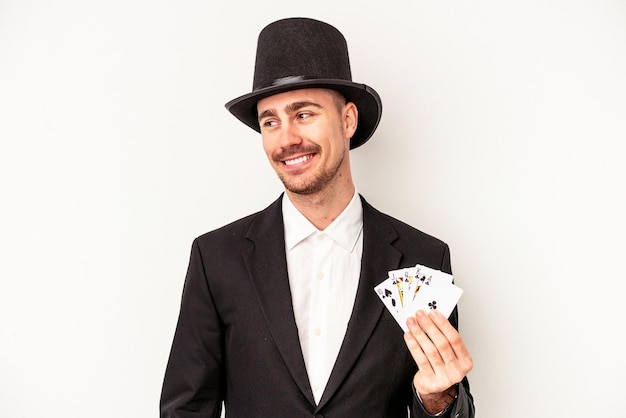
(324, 268)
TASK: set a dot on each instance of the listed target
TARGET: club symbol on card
(433, 304)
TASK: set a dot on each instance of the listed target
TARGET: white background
(503, 134)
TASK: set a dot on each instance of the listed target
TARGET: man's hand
(441, 356)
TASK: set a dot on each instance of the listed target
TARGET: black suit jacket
(237, 341)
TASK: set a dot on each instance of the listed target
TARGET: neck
(322, 208)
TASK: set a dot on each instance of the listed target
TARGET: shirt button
(317, 332)
(320, 276)
(320, 237)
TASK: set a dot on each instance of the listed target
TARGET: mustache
(286, 153)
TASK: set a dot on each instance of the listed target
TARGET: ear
(350, 119)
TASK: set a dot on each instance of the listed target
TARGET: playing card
(403, 278)
(408, 290)
(440, 296)
(424, 276)
(388, 293)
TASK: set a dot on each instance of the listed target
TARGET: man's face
(306, 136)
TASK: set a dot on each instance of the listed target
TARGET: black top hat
(300, 53)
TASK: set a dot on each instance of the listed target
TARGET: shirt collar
(344, 230)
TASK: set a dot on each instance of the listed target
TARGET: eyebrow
(289, 108)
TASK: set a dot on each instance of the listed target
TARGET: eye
(303, 115)
(269, 123)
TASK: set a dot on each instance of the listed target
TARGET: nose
(289, 135)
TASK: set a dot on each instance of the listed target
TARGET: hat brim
(364, 97)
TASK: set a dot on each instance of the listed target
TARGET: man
(279, 317)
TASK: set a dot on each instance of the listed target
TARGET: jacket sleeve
(194, 378)
(461, 407)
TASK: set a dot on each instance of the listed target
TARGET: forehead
(280, 100)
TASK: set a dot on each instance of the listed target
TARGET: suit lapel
(379, 256)
(267, 266)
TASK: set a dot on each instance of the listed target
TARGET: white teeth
(297, 160)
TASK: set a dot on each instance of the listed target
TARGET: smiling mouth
(298, 160)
